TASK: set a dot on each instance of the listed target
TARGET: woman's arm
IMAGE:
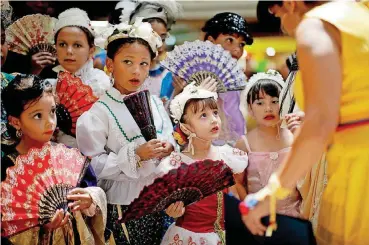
(318, 50)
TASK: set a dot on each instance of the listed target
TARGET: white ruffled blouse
(109, 134)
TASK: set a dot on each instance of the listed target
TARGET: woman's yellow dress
(344, 212)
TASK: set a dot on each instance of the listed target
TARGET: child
(196, 113)
(267, 144)
(161, 15)
(74, 39)
(230, 30)
(123, 161)
(30, 106)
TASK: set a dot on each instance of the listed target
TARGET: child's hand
(294, 120)
(152, 149)
(40, 60)
(167, 149)
(178, 84)
(60, 219)
(175, 210)
(82, 199)
(209, 84)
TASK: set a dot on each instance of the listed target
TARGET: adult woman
(330, 37)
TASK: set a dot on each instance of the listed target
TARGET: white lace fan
(195, 61)
(32, 34)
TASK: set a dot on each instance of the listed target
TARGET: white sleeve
(92, 134)
(99, 82)
(236, 159)
(167, 133)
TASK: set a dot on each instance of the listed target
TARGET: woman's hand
(40, 60)
(152, 149)
(60, 219)
(253, 219)
(175, 210)
(82, 199)
(294, 120)
(179, 84)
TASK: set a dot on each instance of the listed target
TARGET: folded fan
(188, 183)
(139, 106)
(195, 61)
(37, 186)
(75, 98)
(32, 34)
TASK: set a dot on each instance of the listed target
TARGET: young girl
(267, 144)
(196, 112)
(230, 30)
(74, 39)
(123, 161)
(30, 106)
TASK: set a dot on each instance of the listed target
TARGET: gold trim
(217, 224)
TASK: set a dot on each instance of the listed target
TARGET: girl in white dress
(196, 113)
(122, 160)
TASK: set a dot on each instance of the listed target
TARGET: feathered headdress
(139, 29)
(166, 10)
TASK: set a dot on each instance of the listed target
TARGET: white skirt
(176, 235)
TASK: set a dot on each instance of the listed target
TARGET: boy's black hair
(227, 23)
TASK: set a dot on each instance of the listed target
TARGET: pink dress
(260, 168)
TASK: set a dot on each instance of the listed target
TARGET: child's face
(206, 124)
(232, 43)
(265, 110)
(38, 121)
(72, 48)
(4, 47)
(130, 67)
(162, 31)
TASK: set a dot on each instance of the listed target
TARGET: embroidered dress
(96, 79)
(203, 221)
(109, 135)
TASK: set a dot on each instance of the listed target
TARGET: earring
(19, 133)
(111, 79)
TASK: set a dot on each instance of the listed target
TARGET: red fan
(74, 99)
(139, 106)
(188, 183)
(37, 186)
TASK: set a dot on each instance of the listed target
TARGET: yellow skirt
(344, 211)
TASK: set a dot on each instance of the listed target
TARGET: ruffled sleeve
(236, 159)
(92, 134)
(98, 81)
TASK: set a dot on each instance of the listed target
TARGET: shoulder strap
(246, 143)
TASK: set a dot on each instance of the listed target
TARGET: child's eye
(128, 62)
(216, 113)
(144, 64)
(242, 45)
(37, 116)
(230, 40)
(276, 102)
(62, 45)
(78, 45)
(259, 103)
(203, 115)
(53, 110)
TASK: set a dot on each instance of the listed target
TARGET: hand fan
(195, 61)
(188, 183)
(37, 186)
(139, 106)
(32, 34)
(75, 98)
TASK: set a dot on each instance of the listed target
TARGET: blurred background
(269, 50)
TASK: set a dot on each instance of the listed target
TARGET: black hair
(90, 37)
(114, 15)
(227, 23)
(197, 105)
(154, 19)
(20, 92)
(114, 46)
(268, 86)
